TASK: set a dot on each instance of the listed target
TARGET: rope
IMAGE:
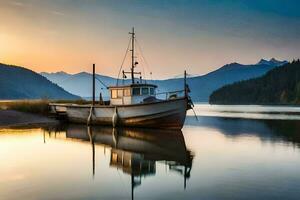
(142, 54)
(89, 119)
(123, 60)
(143, 69)
(101, 82)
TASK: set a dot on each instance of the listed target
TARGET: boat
(134, 104)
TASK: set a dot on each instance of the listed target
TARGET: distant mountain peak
(61, 72)
(262, 61)
(54, 73)
(272, 61)
(230, 66)
(83, 74)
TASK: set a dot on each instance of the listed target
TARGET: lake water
(229, 153)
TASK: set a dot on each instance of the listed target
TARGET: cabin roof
(133, 85)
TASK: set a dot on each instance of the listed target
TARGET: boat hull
(165, 114)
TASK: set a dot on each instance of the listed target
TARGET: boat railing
(170, 95)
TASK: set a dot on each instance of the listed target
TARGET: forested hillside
(21, 83)
(278, 86)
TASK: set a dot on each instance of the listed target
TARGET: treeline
(278, 86)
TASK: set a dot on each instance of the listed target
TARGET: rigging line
(143, 72)
(142, 59)
(123, 60)
(101, 82)
(142, 54)
(140, 49)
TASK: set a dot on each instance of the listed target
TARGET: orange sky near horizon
(66, 36)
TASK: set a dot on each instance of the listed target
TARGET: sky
(174, 35)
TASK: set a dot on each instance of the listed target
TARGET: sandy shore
(10, 118)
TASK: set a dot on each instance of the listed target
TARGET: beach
(12, 118)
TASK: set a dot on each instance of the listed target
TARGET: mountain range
(201, 86)
(21, 83)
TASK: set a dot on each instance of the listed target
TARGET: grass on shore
(35, 106)
(31, 106)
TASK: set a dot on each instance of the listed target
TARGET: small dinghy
(132, 105)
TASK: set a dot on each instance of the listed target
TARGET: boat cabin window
(142, 91)
(120, 93)
(116, 93)
(127, 92)
(145, 91)
(151, 91)
(136, 91)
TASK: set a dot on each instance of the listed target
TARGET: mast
(132, 55)
(93, 101)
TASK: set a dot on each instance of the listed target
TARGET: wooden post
(93, 84)
(185, 92)
(90, 133)
(101, 99)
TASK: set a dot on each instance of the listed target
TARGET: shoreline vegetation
(40, 106)
(15, 113)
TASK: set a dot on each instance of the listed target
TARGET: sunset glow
(175, 35)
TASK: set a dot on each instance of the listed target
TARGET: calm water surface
(213, 158)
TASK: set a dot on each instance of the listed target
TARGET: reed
(77, 101)
(31, 106)
(35, 106)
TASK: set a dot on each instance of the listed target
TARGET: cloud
(17, 3)
(54, 12)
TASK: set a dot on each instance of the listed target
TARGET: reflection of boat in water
(136, 151)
